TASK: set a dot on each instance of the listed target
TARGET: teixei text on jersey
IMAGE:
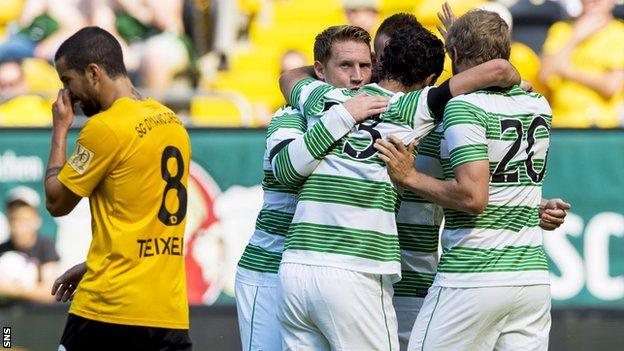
(172, 245)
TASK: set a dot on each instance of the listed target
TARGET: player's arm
(493, 73)
(468, 192)
(289, 80)
(464, 132)
(59, 199)
(293, 160)
(64, 286)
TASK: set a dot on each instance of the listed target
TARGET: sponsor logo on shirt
(80, 159)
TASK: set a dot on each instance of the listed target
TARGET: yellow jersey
(573, 104)
(132, 161)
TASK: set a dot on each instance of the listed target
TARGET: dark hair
(17, 204)
(411, 55)
(477, 37)
(334, 34)
(392, 24)
(92, 45)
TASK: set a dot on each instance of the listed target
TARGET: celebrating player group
(369, 169)
(372, 166)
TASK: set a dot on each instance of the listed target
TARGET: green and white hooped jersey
(309, 140)
(503, 245)
(345, 216)
(418, 224)
(264, 251)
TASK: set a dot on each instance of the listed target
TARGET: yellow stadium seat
(10, 10)
(219, 111)
(26, 111)
(41, 76)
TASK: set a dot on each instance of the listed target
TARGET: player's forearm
(606, 85)
(493, 73)
(295, 162)
(58, 150)
(56, 160)
(289, 79)
(448, 193)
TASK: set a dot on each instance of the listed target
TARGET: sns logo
(6, 337)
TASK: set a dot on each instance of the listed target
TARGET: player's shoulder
(286, 110)
(287, 117)
(128, 117)
(401, 100)
(510, 101)
(371, 89)
(474, 99)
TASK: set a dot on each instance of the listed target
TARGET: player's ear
(93, 73)
(319, 70)
(453, 54)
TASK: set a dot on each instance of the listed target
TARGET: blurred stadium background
(216, 63)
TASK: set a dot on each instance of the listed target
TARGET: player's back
(346, 212)
(132, 161)
(263, 254)
(503, 244)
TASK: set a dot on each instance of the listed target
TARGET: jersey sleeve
(299, 88)
(313, 97)
(296, 161)
(95, 153)
(413, 110)
(465, 127)
(285, 125)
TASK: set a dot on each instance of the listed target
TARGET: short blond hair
(477, 37)
(337, 34)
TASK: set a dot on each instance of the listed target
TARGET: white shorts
(326, 308)
(487, 318)
(256, 306)
(406, 311)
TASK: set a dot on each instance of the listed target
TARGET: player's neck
(120, 87)
(392, 85)
(396, 86)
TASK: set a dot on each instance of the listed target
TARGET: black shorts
(89, 335)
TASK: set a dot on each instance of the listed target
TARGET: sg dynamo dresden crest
(80, 158)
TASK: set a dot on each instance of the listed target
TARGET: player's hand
(64, 286)
(447, 17)
(399, 159)
(364, 106)
(552, 213)
(62, 110)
